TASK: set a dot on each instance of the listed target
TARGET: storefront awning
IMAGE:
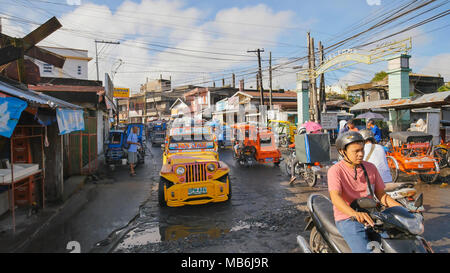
(33, 97)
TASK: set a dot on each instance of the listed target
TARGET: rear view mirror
(367, 203)
(419, 201)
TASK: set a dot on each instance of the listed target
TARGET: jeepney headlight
(211, 167)
(180, 170)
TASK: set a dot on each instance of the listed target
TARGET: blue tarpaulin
(45, 118)
(10, 110)
(69, 120)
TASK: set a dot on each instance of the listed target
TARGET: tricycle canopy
(411, 136)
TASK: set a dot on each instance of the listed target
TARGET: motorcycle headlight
(211, 167)
(180, 170)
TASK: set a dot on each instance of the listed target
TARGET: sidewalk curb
(46, 223)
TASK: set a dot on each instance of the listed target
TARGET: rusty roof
(427, 100)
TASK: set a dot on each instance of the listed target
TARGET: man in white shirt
(375, 154)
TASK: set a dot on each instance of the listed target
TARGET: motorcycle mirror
(367, 203)
(419, 201)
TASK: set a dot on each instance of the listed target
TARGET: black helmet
(347, 138)
(367, 135)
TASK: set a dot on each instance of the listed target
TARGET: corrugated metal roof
(427, 100)
(35, 97)
(366, 105)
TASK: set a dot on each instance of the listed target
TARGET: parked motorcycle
(404, 194)
(404, 228)
(307, 172)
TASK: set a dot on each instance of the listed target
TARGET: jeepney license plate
(269, 159)
(197, 191)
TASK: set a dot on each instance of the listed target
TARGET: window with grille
(48, 68)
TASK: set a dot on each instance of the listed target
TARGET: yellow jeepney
(192, 173)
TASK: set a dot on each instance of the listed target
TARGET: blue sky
(161, 36)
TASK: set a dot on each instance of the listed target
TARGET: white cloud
(435, 65)
(172, 23)
(373, 2)
(73, 2)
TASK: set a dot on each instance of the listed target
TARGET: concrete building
(419, 84)
(75, 66)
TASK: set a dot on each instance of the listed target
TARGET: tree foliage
(445, 87)
(379, 76)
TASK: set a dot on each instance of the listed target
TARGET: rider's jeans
(355, 235)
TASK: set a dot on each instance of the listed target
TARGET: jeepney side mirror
(162, 146)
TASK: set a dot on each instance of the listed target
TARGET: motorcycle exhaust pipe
(303, 244)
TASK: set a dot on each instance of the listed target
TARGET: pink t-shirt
(341, 178)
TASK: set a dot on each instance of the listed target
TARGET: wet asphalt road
(265, 215)
(120, 213)
(259, 218)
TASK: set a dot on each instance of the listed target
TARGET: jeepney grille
(196, 173)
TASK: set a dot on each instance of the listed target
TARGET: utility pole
(234, 80)
(270, 79)
(261, 89)
(96, 53)
(322, 96)
(312, 80)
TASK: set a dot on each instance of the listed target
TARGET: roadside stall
(27, 147)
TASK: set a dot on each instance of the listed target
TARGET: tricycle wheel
(393, 166)
(309, 176)
(430, 178)
(288, 166)
(441, 154)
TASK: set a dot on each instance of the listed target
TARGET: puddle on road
(141, 237)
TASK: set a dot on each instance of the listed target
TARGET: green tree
(379, 76)
(445, 87)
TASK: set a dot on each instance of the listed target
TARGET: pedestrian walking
(132, 140)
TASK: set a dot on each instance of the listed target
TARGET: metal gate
(81, 149)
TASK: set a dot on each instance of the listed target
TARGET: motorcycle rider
(349, 180)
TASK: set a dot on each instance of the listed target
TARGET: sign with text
(121, 92)
(329, 121)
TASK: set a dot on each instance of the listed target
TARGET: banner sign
(69, 120)
(121, 92)
(10, 108)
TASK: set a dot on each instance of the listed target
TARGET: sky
(197, 42)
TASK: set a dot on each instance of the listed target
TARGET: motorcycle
(301, 170)
(245, 157)
(403, 228)
(404, 194)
